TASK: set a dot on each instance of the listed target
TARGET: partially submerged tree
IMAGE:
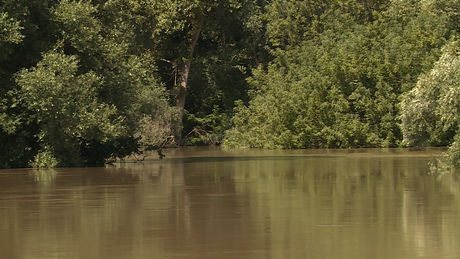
(90, 96)
(121, 44)
(338, 73)
(431, 111)
(180, 29)
(64, 106)
(307, 74)
(25, 32)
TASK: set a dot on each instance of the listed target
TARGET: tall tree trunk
(185, 72)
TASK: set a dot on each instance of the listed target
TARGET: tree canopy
(337, 77)
(87, 81)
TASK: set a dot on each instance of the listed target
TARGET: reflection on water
(202, 203)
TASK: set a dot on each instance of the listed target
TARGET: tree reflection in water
(229, 204)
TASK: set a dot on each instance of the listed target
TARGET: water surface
(212, 203)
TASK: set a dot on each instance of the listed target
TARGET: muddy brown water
(203, 203)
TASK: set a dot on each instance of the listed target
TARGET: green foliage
(86, 81)
(10, 35)
(79, 25)
(44, 159)
(10, 32)
(207, 130)
(431, 111)
(288, 112)
(65, 107)
(92, 95)
(338, 74)
(449, 162)
(230, 43)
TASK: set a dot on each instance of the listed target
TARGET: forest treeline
(87, 81)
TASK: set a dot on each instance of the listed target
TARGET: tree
(93, 52)
(191, 33)
(26, 32)
(338, 73)
(10, 33)
(105, 39)
(64, 106)
(430, 111)
(231, 44)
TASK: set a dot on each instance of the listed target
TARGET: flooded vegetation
(212, 203)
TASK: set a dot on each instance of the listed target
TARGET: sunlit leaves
(431, 110)
(339, 71)
(9, 29)
(65, 106)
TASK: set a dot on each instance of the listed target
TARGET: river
(200, 203)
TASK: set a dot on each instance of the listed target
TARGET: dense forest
(83, 82)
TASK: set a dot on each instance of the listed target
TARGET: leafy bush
(44, 159)
(337, 77)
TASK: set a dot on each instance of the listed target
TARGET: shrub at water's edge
(337, 82)
(431, 110)
(85, 83)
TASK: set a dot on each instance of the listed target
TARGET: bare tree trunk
(185, 72)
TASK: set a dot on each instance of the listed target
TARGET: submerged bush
(44, 159)
(431, 111)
